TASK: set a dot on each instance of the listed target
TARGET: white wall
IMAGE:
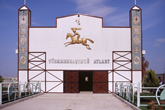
(106, 40)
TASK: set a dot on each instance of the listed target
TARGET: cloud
(116, 20)
(34, 23)
(99, 8)
(161, 40)
(156, 44)
(149, 24)
(94, 7)
(150, 15)
(6, 6)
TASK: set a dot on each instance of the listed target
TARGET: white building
(110, 53)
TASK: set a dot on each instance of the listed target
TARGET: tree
(145, 65)
(1, 79)
(150, 79)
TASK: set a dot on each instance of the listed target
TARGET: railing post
(138, 94)
(0, 93)
(32, 87)
(29, 88)
(120, 89)
(19, 89)
(115, 87)
(127, 92)
(40, 86)
(25, 88)
(133, 93)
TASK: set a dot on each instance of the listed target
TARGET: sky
(114, 13)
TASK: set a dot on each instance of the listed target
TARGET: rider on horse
(76, 33)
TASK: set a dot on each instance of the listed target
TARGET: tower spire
(24, 2)
(135, 2)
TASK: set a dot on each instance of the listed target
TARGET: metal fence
(10, 91)
(131, 91)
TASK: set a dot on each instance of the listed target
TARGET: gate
(71, 82)
(100, 81)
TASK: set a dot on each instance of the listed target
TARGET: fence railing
(130, 91)
(10, 91)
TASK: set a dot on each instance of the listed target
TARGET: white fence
(16, 90)
(131, 90)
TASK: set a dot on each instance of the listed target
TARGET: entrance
(86, 81)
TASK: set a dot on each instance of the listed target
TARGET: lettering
(101, 61)
(68, 61)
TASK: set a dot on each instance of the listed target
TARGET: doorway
(86, 81)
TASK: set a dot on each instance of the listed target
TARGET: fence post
(40, 86)
(25, 88)
(20, 89)
(133, 93)
(120, 89)
(127, 92)
(0, 93)
(32, 87)
(115, 87)
(138, 94)
(29, 88)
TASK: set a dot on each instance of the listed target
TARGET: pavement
(70, 101)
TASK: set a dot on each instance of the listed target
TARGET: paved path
(64, 101)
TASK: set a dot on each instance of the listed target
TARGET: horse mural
(76, 40)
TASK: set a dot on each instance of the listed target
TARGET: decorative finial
(135, 2)
(24, 2)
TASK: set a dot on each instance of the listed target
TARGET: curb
(127, 103)
(19, 100)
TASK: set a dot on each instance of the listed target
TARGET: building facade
(79, 53)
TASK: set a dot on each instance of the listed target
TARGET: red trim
(42, 27)
(116, 27)
(18, 50)
(131, 44)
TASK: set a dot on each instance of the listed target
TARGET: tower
(136, 33)
(136, 38)
(24, 22)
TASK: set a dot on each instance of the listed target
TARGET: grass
(148, 100)
(157, 108)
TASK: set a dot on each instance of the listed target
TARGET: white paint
(106, 40)
(23, 8)
(51, 41)
(50, 87)
(23, 76)
(143, 52)
(54, 76)
(135, 7)
(118, 75)
(137, 76)
(16, 51)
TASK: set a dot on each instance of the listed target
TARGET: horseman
(76, 33)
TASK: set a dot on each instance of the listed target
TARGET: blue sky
(114, 13)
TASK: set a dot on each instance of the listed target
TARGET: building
(79, 53)
(10, 79)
